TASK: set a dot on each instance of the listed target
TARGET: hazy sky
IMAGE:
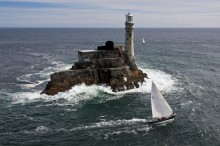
(109, 13)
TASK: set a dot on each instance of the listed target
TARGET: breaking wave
(73, 96)
(165, 82)
(78, 93)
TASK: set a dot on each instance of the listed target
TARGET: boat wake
(116, 123)
(124, 126)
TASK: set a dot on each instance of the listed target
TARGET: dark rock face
(98, 67)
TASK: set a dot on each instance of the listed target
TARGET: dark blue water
(184, 63)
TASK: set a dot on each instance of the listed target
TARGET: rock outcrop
(106, 65)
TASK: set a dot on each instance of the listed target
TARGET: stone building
(111, 65)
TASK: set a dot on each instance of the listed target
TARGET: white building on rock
(129, 39)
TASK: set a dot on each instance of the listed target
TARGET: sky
(109, 13)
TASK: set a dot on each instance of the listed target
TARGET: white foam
(46, 57)
(37, 130)
(27, 79)
(164, 81)
(35, 79)
(42, 76)
(185, 104)
(73, 96)
(124, 126)
(112, 123)
(128, 130)
(25, 97)
(42, 129)
(32, 85)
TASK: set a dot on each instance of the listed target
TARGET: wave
(35, 79)
(111, 123)
(78, 93)
(46, 57)
(185, 104)
(31, 80)
(73, 96)
(37, 130)
(41, 129)
(165, 82)
(127, 130)
(124, 126)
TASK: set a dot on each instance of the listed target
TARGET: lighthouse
(129, 40)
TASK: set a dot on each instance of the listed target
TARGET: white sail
(143, 42)
(160, 108)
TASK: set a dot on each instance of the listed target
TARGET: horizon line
(111, 27)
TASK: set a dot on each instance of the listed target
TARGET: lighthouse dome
(129, 17)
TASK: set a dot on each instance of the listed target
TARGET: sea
(184, 63)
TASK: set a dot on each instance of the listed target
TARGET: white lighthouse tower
(129, 39)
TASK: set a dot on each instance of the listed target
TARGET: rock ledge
(106, 65)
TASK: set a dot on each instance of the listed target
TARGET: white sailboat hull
(163, 122)
(157, 121)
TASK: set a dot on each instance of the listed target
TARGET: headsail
(160, 108)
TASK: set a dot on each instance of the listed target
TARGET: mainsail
(160, 108)
(143, 42)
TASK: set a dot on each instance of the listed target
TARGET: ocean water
(184, 64)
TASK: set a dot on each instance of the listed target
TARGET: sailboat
(143, 42)
(161, 110)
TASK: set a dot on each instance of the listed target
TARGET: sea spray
(164, 81)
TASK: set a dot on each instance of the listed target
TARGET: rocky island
(111, 65)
